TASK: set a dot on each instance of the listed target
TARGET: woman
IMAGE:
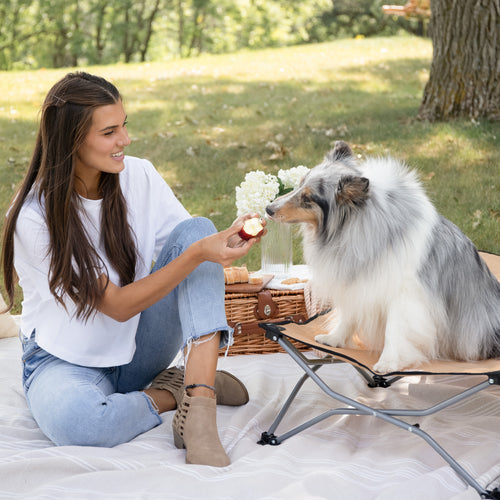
(97, 326)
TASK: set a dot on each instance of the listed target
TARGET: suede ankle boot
(195, 428)
(230, 391)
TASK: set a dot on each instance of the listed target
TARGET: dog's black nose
(269, 210)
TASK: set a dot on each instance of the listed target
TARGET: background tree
(98, 28)
(61, 38)
(137, 27)
(16, 32)
(465, 74)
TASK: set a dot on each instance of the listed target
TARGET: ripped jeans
(87, 406)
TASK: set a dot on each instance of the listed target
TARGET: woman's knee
(70, 404)
(191, 230)
(182, 236)
(75, 421)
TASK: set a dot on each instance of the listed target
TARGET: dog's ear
(352, 191)
(341, 151)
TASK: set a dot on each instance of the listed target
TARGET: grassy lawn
(205, 122)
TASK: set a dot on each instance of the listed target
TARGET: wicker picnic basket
(245, 310)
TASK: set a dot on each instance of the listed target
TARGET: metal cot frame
(278, 333)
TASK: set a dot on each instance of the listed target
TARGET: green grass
(205, 122)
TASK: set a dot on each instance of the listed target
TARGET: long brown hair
(65, 120)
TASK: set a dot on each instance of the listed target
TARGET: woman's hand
(227, 246)
(236, 240)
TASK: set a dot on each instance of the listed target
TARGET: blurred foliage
(62, 33)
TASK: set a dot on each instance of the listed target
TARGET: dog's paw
(328, 339)
(389, 365)
(385, 367)
(404, 357)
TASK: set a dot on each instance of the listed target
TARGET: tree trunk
(180, 35)
(76, 50)
(195, 35)
(99, 36)
(149, 30)
(59, 51)
(127, 36)
(464, 80)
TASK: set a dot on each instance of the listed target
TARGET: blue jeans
(79, 405)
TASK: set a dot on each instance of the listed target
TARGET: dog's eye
(306, 198)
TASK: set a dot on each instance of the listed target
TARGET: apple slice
(252, 228)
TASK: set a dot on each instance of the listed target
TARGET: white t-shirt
(153, 211)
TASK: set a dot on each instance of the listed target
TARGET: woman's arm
(122, 303)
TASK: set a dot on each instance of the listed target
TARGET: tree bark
(149, 30)
(180, 35)
(127, 34)
(464, 80)
(99, 36)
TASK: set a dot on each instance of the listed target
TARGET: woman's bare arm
(122, 303)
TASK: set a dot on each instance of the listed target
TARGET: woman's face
(102, 150)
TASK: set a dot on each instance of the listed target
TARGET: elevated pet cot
(290, 335)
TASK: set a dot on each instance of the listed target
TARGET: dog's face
(332, 188)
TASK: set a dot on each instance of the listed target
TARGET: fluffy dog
(403, 278)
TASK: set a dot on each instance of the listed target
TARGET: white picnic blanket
(343, 457)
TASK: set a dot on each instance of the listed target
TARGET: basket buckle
(266, 307)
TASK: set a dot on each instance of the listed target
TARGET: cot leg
(269, 436)
(361, 409)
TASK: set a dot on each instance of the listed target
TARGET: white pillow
(8, 327)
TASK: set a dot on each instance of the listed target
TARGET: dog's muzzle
(270, 211)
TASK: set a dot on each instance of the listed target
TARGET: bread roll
(234, 275)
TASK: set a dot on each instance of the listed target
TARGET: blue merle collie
(405, 281)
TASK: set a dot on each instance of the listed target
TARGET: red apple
(252, 228)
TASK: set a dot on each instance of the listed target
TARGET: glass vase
(277, 248)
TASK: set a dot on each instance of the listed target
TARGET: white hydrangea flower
(256, 192)
(292, 177)
(259, 189)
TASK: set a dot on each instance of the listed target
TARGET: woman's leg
(201, 365)
(76, 405)
(196, 309)
(195, 422)
(186, 317)
(202, 312)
